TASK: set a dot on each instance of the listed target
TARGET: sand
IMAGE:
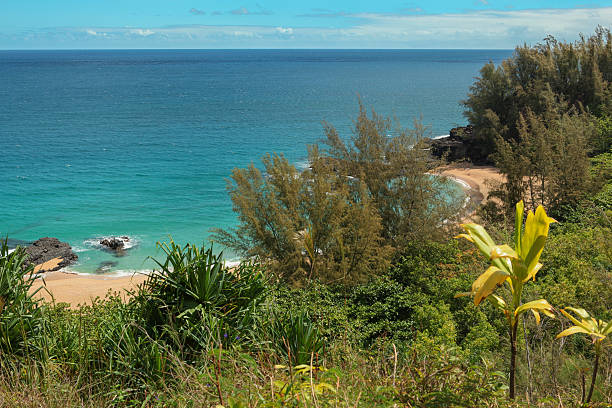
(480, 179)
(80, 289)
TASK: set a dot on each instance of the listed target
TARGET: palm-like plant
(512, 268)
(597, 329)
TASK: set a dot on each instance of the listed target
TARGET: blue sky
(68, 24)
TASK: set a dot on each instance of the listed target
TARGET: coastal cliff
(459, 145)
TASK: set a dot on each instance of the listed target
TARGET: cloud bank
(476, 29)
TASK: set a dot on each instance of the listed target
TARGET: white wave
(11, 250)
(233, 263)
(78, 249)
(440, 137)
(119, 273)
(302, 165)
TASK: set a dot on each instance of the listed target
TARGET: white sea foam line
(440, 137)
(11, 250)
(119, 273)
(459, 181)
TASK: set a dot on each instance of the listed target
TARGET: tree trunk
(512, 357)
(595, 367)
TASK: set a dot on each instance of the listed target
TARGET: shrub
(196, 295)
(21, 319)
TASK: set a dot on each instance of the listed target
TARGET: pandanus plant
(598, 330)
(511, 268)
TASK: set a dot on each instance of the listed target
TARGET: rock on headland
(459, 145)
(46, 249)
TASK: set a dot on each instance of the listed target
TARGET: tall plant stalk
(511, 268)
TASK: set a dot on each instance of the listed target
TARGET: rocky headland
(459, 145)
(51, 253)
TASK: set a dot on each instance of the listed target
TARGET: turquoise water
(139, 143)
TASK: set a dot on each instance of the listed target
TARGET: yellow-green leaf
(583, 324)
(608, 329)
(480, 237)
(503, 251)
(579, 311)
(540, 304)
(497, 301)
(572, 330)
(536, 225)
(536, 315)
(518, 225)
(531, 272)
(486, 283)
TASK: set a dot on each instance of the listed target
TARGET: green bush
(296, 337)
(194, 298)
(21, 319)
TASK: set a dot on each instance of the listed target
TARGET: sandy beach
(81, 289)
(478, 178)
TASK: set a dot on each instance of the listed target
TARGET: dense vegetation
(341, 219)
(350, 294)
(540, 114)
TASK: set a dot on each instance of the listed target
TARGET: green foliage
(547, 163)
(437, 376)
(411, 203)
(312, 224)
(576, 74)
(194, 293)
(20, 316)
(603, 142)
(296, 337)
(340, 219)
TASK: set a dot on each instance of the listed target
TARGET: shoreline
(75, 289)
(477, 181)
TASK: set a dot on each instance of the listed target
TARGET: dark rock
(113, 243)
(46, 249)
(459, 145)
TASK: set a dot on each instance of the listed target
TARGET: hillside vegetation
(356, 292)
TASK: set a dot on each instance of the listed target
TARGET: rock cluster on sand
(46, 249)
(459, 145)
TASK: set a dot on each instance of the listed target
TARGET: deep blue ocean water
(139, 143)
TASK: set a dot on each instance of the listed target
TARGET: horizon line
(257, 49)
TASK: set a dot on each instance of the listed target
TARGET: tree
(511, 268)
(313, 224)
(548, 163)
(341, 219)
(411, 203)
(577, 73)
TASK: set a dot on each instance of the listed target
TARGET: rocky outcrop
(112, 243)
(46, 249)
(459, 145)
(117, 245)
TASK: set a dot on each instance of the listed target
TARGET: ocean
(140, 143)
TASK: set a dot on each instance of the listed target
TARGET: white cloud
(475, 29)
(283, 30)
(141, 32)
